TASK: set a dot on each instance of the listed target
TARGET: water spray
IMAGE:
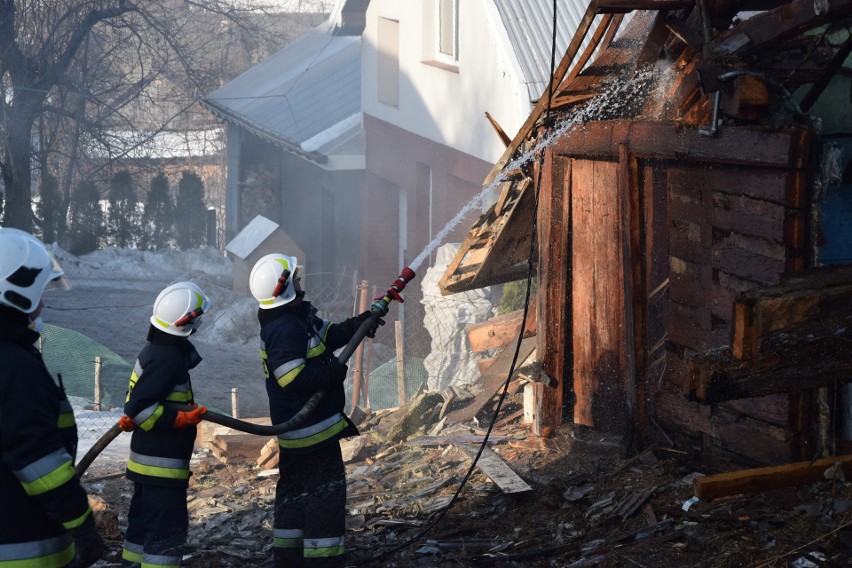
(379, 308)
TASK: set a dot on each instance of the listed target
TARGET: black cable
(432, 524)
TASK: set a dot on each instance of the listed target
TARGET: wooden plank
(693, 328)
(686, 243)
(757, 480)
(240, 445)
(497, 471)
(554, 259)
(759, 184)
(599, 303)
(748, 216)
(500, 330)
(492, 379)
(635, 294)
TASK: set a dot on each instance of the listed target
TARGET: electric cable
(434, 522)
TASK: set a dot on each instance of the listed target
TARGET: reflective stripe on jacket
(41, 496)
(160, 453)
(295, 347)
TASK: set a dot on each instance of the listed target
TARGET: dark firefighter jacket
(159, 452)
(295, 347)
(40, 494)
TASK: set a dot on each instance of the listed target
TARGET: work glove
(371, 333)
(88, 544)
(189, 417)
(126, 424)
(336, 371)
(351, 325)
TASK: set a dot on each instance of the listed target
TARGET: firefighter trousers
(157, 527)
(310, 509)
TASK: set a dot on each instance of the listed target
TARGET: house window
(448, 30)
(388, 62)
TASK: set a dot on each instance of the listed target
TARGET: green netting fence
(95, 377)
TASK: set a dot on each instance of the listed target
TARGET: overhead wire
(533, 234)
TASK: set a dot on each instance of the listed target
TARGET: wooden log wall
(729, 231)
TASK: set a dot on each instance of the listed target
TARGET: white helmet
(271, 280)
(26, 270)
(178, 309)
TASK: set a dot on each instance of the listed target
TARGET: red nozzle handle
(406, 276)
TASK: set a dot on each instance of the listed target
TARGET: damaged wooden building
(682, 193)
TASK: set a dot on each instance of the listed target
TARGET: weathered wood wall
(711, 218)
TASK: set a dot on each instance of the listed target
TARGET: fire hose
(379, 308)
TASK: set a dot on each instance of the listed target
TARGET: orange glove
(126, 424)
(189, 417)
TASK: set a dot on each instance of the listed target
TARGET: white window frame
(441, 19)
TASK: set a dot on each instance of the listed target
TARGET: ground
(587, 505)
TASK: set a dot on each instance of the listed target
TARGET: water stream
(618, 98)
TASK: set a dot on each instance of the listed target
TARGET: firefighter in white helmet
(46, 518)
(163, 437)
(296, 348)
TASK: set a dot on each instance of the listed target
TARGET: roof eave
(286, 144)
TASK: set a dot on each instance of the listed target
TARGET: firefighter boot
(288, 558)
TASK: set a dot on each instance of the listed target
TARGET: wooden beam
(555, 251)
(716, 376)
(623, 6)
(671, 140)
(504, 138)
(813, 305)
(590, 48)
(492, 379)
(543, 101)
(785, 21)
(500, 330)
(762, 479)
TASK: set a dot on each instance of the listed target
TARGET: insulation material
(451, 361)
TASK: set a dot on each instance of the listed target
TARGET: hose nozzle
(381, 303)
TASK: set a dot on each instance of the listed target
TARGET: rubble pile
(582, 504)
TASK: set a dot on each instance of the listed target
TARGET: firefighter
(46, 518)
(163, 437)
(296, 349)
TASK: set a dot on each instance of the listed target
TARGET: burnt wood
(789, 366)
(816, 304)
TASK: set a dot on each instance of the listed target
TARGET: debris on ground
(584, 504)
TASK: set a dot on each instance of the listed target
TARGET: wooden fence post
(235, 407)
(98, 365)
(357, 379)
(400, 364)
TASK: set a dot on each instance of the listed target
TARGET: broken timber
(760, 479)
(493, 377)
(815, 304)
(497, 471)
(716, 376)
(500, 330)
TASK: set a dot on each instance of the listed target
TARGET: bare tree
(93, 75)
